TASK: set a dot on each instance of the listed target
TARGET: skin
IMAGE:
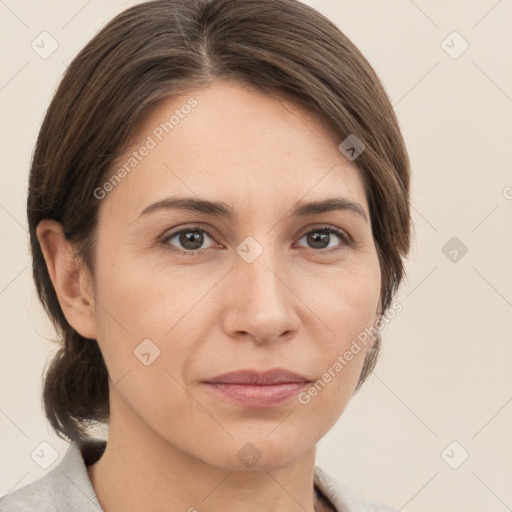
(172, 443)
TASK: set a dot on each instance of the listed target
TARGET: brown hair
(163, 48)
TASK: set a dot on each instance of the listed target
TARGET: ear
(70, 278)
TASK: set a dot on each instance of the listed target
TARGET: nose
(262, 305)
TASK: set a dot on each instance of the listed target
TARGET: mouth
(254, 389)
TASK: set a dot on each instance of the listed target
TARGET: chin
(261, 453)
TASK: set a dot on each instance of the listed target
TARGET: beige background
(444, 374)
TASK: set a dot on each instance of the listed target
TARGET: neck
(141, 471)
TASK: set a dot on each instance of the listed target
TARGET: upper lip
(255, 377)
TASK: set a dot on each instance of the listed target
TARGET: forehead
(234, 144)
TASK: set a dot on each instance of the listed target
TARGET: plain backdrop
(430, 430)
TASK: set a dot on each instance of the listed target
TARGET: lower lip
(261, 397)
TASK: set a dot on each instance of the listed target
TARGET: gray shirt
(67, 487)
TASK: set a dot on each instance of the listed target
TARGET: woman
(218, 209)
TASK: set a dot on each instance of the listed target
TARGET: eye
(190, 239)
(321, 238)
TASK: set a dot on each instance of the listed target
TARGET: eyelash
(344, 236)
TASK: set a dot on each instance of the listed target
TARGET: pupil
(191, 240)
(321, 238)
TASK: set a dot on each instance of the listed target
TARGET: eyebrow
(219, 208)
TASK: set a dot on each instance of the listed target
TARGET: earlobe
(70, 278)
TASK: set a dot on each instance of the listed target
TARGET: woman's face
(264, 288)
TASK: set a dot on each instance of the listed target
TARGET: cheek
(346, 307)
(141, 301)
(136, 308)
(148, 322)
(346, 300)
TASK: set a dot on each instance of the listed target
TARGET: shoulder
(65, 487)
(38, 495)
(344, 498)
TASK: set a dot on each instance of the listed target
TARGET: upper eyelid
(173, 232)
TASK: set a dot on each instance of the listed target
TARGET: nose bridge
(262, 303)
(260, 265)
